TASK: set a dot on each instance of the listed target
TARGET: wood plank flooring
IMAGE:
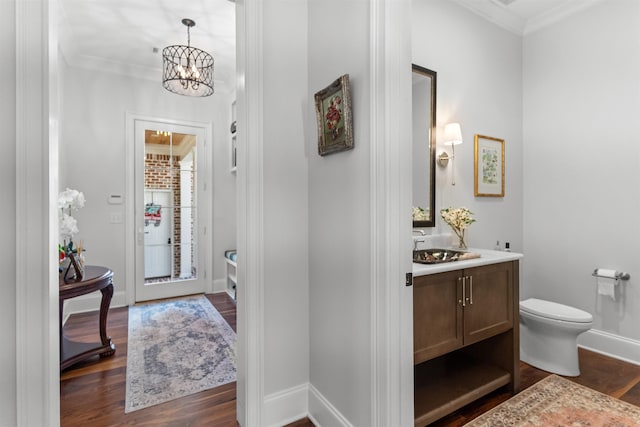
(604, 374)
(93, 392)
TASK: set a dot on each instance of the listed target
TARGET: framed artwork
(333, 113)
(488, 166)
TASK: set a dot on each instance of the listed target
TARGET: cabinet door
(437, 315)
(489, 305)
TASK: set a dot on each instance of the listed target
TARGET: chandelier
(187, 70)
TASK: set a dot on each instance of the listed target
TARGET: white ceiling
(525, 16)
(119, 35)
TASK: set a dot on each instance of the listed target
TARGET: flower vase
(63, 264)
(461, 242)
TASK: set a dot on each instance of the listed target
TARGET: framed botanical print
(333, 113)
(488, 166)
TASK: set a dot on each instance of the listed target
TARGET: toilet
(549, 333)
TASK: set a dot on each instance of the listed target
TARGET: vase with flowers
(458, 219)
(68, 251)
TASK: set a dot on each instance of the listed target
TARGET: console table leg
(107, 294)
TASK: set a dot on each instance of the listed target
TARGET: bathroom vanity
(466, 332)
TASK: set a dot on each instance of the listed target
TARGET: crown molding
(500, 15)
(495, 13)
(558, 14)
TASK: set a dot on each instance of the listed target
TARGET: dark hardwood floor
(93, 392)
(604, 374)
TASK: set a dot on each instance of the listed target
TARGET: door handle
(169, 241)
(464, 290)
(471, 290)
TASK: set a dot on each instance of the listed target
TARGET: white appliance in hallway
(157, 233)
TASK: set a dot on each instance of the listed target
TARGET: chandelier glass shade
(187, 70)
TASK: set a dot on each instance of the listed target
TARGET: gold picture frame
(488, 160)
(333, 114)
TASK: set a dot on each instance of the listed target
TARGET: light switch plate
(116, 218)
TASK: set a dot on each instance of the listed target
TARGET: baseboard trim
(91, 302)
(286, 406)
(616, 346)
(219, 285)
(322, 412)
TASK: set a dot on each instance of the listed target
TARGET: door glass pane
(170, 221)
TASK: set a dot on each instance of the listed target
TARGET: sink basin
(436, 256)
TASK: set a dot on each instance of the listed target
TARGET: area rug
(176, 348)
(555, 401)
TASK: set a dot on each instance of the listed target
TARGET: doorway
(171, 205)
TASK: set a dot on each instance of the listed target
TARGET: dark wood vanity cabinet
(466, 341)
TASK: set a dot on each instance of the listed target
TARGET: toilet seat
(554, 311)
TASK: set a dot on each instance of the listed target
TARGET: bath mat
(555, 401)
(176, 348)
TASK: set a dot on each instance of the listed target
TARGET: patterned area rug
(555, 401)
(176, 348)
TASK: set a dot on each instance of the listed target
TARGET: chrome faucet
(417, 240)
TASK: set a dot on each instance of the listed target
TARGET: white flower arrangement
(458, 219)
(68, 255)
(72, 200)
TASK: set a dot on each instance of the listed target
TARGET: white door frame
(250, 232)
(391, 189)
(37, 354)
(134, 248)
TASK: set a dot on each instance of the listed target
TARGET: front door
(158, 259)
(170, 209)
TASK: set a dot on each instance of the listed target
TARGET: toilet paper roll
(607, 286)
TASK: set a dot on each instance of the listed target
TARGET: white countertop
(486, 257)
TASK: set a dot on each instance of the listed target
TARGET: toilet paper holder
(618, 275)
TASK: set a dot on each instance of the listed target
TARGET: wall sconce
(452, 137)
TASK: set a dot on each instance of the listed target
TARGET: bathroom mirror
(423, 91)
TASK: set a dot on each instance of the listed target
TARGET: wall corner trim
(322, 412)
(286, 406)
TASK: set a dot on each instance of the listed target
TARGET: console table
(95, 279)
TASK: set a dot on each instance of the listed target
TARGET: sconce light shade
(452, 137)
(452, 134)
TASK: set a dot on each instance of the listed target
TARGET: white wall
(286, 223)
(479, 68)
(8, 217)
(339, 203)
(92, 157)
(582, 152)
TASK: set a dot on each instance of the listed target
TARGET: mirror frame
(432, 147)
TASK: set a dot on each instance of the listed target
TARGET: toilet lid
(553, 310)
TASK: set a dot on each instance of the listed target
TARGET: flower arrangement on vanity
(458, 219)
